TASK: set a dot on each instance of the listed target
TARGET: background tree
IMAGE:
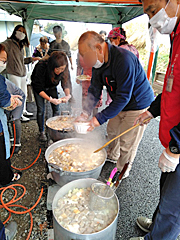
(49, 28)
(137, 35)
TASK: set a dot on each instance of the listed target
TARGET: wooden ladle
(120, 135)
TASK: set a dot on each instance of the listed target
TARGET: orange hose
(21, 169)
(13, 200)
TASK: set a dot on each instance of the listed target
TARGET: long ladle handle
(120, 135)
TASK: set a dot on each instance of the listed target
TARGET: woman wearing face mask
(46, 75)
(15, 68)
(165, 223)
(117, 37)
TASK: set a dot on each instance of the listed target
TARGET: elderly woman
(42, 49)
(46, 75)
(117, 37)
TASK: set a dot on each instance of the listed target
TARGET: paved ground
(138, 194)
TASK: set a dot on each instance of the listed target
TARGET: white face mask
(20, 35)
(162, 22)
(2, 66)
(98, 64)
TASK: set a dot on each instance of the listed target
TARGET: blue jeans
(2, 231)
(40, 102)
(166, 220)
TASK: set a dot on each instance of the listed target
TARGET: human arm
(174, 144)
(152, 112)
(70, 59)
(169, 159)
(15, 101)
(8, 101)
(31, 60)
(123, 81)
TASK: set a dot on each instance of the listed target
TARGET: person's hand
(93, 123)
(55, 101)
(143, 116)
(17, 99)
(168, 161)
(65, 99)
(72, 67)
(15, 102)
(82, 118)
(36, 59)
(77, 81)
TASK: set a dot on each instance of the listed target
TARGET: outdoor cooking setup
(81, 204)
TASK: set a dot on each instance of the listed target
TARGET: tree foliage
(49, 28)
(137, 35)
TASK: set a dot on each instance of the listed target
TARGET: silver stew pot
(62, 177)
(60, 233)
(62, 133)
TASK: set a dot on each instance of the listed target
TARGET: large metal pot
(62, 177)
(56, 135)
(61, 233)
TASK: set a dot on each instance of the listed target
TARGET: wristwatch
(173, 149)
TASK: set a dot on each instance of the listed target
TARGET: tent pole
(28, 25)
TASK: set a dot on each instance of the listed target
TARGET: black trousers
(6, 173)
(2, 231)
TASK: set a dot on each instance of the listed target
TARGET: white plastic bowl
(81, 127)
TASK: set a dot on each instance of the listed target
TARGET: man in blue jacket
(126, 82)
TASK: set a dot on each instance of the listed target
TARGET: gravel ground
(138, 194)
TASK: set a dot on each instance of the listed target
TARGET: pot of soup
(73, 219)
(73, 158)
(60, 127)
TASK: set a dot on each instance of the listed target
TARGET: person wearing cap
(126, 82)
(117, 37)
(165, 223)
